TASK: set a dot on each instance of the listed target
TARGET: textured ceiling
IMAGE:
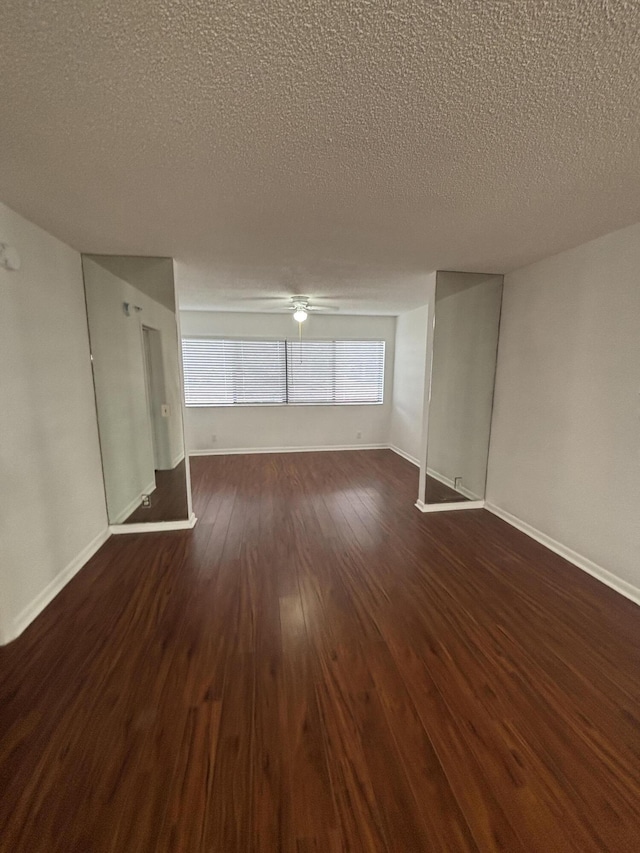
(339, 149)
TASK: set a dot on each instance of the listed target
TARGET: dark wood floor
(317, 666)
(168, 502)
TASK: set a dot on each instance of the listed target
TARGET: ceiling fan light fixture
(300, 315)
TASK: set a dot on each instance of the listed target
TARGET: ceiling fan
(301, 306)
(298, 304)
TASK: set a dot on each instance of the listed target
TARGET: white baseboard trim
(404, 455)
(623, 587)
(447, 481)
(35, 607)
(135, 503)
(242, 451)
(448, 507)
(154, 526)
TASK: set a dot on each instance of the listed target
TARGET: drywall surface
(565, 440)
(467, 315)
(261, 427)
(52, 505)
(123, 418)
(409, 382)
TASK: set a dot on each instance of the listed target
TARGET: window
(231, 373)
(336, 372)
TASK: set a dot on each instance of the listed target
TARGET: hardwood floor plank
(446, 826)
(492, 827)
(309, 809)
(361, 826)
(230, 825)
(268, 761)
(351, 690)
(187, 812)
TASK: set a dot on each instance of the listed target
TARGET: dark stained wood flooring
(168, 502)
(317, 666)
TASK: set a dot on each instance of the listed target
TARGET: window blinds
(228, 373)
(231, 372)
(336, 372)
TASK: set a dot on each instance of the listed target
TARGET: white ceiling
(338, 149)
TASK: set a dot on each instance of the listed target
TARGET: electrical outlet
(457, 482)
(146, 500)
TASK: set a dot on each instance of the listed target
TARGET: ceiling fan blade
(265, 298)
(274, 303)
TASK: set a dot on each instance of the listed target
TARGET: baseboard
(407, 456)
(154, 526)
(449, 507)
(447, 481)
(29, 613)
(241, 451)
(135, 503)
(623, 587)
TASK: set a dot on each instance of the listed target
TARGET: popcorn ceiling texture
(341, 149)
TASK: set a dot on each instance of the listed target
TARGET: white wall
(52, 507)
(117, 347)
(467, 315)
(409, 382)
(565, 444)
(260, 427)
